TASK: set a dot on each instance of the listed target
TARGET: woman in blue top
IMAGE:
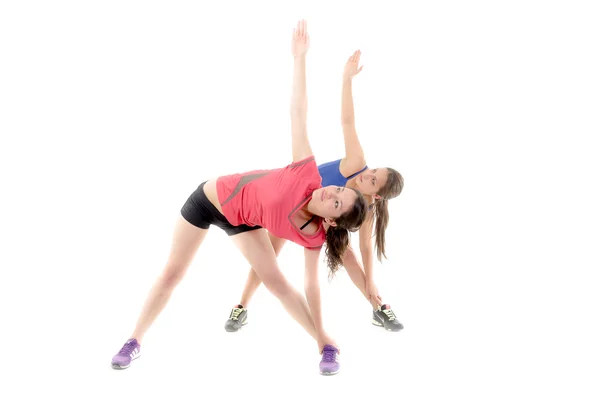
(377, 185)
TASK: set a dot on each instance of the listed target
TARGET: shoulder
(350, 166)
(308, 162)
(305, 169)
(328, 164)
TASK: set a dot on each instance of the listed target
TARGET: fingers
(355, 58)
(301, 28)
(304, 32)
(372, 299)
(300, 33)
(376, 299)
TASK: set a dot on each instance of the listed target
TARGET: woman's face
(331, 201)
(372, 180)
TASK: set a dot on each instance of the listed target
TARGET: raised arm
(299, 105)
(355, 158)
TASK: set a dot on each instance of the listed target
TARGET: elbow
(366, 248)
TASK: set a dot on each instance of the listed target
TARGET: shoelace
(127, 348)
(235, 313)
(390, 314)
(328, 355)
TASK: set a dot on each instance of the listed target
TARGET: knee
(278, 287)
(171, 277)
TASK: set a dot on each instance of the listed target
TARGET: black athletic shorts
(200, 212)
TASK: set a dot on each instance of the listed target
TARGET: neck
(353, 184)
(305, 212)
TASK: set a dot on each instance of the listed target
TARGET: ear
(330, 222)
(377, 197)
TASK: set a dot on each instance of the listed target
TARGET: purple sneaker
(329, 364)
(129, 352)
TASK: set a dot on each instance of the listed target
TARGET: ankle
(137, 338)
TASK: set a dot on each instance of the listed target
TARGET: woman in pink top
(378, 186)
(290, 203)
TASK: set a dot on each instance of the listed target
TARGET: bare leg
(357, 275)
(253, 281)
(259, 252)
(186, 240)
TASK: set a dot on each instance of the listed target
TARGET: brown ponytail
(392, 188)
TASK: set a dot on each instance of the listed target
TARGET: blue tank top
(331, 175)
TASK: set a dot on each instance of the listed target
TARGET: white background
(111, 113)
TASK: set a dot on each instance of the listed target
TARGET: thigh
(277, 243)
(184, 245)
(257, 248)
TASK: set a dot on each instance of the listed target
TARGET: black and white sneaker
(237, 318)
(385, 317)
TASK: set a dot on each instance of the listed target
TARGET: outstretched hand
(351, 69)
(300, 39)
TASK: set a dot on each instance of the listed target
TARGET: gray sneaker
(237, 318)
(385, 317)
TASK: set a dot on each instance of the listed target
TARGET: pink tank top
(270, 198)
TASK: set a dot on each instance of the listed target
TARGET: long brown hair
(392, 188)
(338, 237)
